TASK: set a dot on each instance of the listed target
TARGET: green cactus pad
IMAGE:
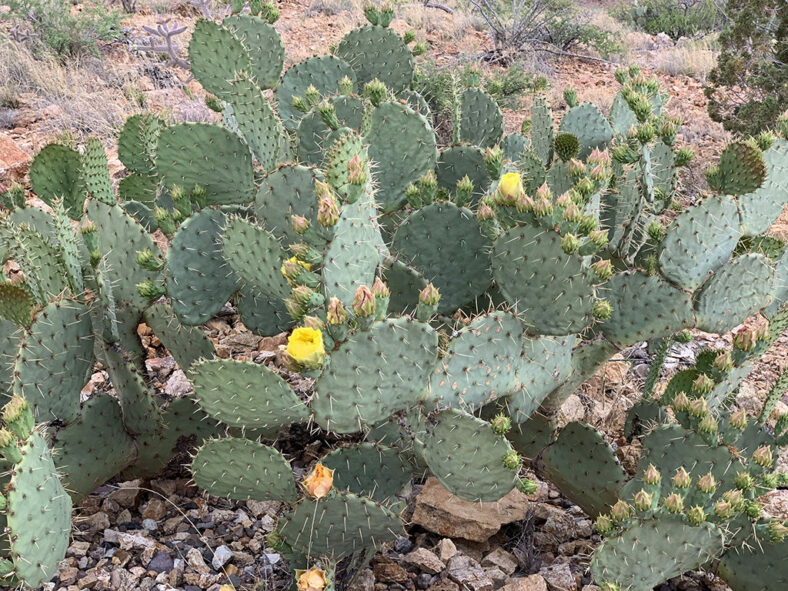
(645, 308)
(10, 336)
(542, 129)
(343, 145)
(513, 146)
(186, 344)
(39, 515)
(257, 122)
(551, 290)
(644, 415)
(402, 148)
(405, 283)
(263, 44)
(458, 161)
(45, 274)
(242, 469)
(416, 102)
(480, 363)
(466, 455)
(119, 239)
(224, 171)
(762, 566)
(375, 52)
(368, 469)
(56, 173)
(663, 168)
(780, 285)
(742, 169)
(532, 436)
(739, 289)
(216, 56)
(16, 303)
(137, 142)
(532, 170)
(583, 466)
(94, 448)
(337, 525)
(440, 239)
(199, 280)
(314, 135)
(323, 72)
(558, 178)
(139, 187)
(353, 255)
(245, 394)
(650, 552)
(290, 190)
(95, 172)
(398, 357)
(620, 206)
(760, 208)
(54, 360)
(588, 125)
(481, 120)
(700, 241)
(262, 313)
(545, 364)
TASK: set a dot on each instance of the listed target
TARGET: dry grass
(695, 58)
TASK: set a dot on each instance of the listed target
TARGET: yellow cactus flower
(295, 260)
(305, 347)
(319, 481)
(510, 185)
(313, 579)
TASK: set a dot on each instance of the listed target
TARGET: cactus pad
(186, 344)
(458, 161)
(216, 56)
(368, 469)
(376, 52)
(760, 208)
(405, 284)
(256, 120)
(542, 129)
(742, 169)
(314, 135)
(513, 146)
(56, 173)
(587, 124)
(137, 142)
(289, 190)
(761, 566)
(481, 121)
(263, 44)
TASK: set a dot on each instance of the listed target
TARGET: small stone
(221, 556)
(572, 410)
(446, 549)
(402, 545)
(445, 585)
(128, 494)
(467, 573)
(178, 384)
(97, 522)
(68, 576)
(387, 571)
(423, 581)
(501, 559)
(78, 549)
(127, 541)
(196, 561)
(364, 581)
(88, 581)
(155, 509)
(260, 508)
(530, 583)
(424, 560)
(149, 525)
(497, 576)
(161, 563)
(559, 578)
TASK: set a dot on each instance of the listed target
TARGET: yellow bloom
(510, 185)
(294, 260)
(319, 482)
(305, 347)
(313, 579)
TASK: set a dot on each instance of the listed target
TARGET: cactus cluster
(445, 303)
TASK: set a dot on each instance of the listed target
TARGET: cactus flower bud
(299, 224)
(302, 294)
(708, 425)
(645, 132)
(621, 75)
(313, 322)
(570, 243)
(379, 289)
(585, 186)
(652, 475)
(527, 486)
(319, 481)
(696, 515)
(525, 127)
(570, 96)
(745, 339)
(684, 156)
(599, 173)
(576, 168)
(707, 484)
(429, 296)
(363, 302)
(681, 479)
(572, 213)
(328, 115)
(744, 481)
(311, 95)
(345, 86)
(777, 531)
(763, 457)
(299, 104)
(18, 417)
(610, 587)
(147, 260)
(656, 231)
(328, 211)
(723, 361)
(598, 237)
(293, 308)
(703, 384)
(602, 310)
(564, 200)
(485, 213)
(735, 498)
(543, 207)
(738, 419)
(305, 347)
(698, 408)
(512, 460)
(464, 191)
(723, 509)
(642, 501)
(603, 269)
(375, 91)
(681, 403)
(150, 290)
(753, 509)
(586, 225)
(501, 424)
(620, 511)
(683, 336)
(336, 313)
(673, 503)
(603, 525)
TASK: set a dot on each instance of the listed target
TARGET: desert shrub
(50, 25)
(675, 18)
(748, 90)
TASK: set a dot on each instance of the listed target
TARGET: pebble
(221, 556)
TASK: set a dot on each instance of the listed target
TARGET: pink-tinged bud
(603, 269)
(570, 243)
(429, 296)
(544, 192)
(698, 408)
(599, 173)
(642, 500)
(696, 515)
(763, 457)
(379, 289)
(707, 483)
(681, 479)
(356, 173)
(777, 532)
(599, 157)
(762, 329)
(524, 203)
(572, 213)
(299, 223)
(745, 339)
(302, 294)
(564, 200)
(674, 503)
(336, 313)
(363, 302)
(652, 475)
(485, 213)
(723, 509)
(328, 211)
(724, 361)
(620, 511)
(681, 403)
(313, 322)
(543, 207)
(598, 237)
(738, 419)
(585, 186)
(735, 498)
(576, 167)
(703, 384)
(708, 425)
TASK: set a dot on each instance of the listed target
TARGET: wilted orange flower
(313, 579)
(319, 481)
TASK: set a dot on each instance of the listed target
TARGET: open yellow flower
(294, 260)
(319, 482)
(313, 579)
(305, 347)
(510, 185)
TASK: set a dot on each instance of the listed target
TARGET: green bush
(51, 26)
(748, 90)
(675, 18)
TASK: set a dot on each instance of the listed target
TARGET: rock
(155, 509)
(160, 367)
(242, 341)
(88, 581)
(502, 559)
(128, 494)
(530, 583)
(439, 511)
(572, 410)
(178, 384)
(424, 560)
(195, 560)
(150, 524)
(14, 161)
(364, 581)
(260, 508)
(402, 545)
(775, 504)
(445, 585)
(467, 573)
(560, 525)
(446, 549)
(387, 571)
(68, 575)
(161, 563)
(78, 549)
(97, 522)
(127, 541)
(559, 578)
(221, 556)
(497, 576)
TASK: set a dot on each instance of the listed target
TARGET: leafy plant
(675, 18)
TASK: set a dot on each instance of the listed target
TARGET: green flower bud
(328, 211)
(777, 531)
(696, 515)
(681, 403)
(576, 168)
(684, 156)
(328, 115)
(527, 486)
(409, 37)
(586, 225)
(525, 127)
(753, 509)
(723, 509)
(738, 419)
(429, 296)
(598, 237)
(707, 484)
(703, 384)
(363, 302)
(543, 207)
(683, 336)
(673, 503)
(147, 260)
(603, 525)
(570, 243)
(743, 481)
(512, 460)
(708, 425)
(572, 213)
(735, 498)
(642, 500)
(585, 186)
(621, 76)
(570, 96)
(652, 475)
(681, 479)
(299, 224)
(656, 231)
(602, 310)
(763, 456)
(345, 86)
(603, 269)
(698, 408)
(150, 290)
(723, 361)
(501, 424)
(419, 48)
(464, 191)
(311, 95)
(299, 104)
(620, 511)
(375, 91)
